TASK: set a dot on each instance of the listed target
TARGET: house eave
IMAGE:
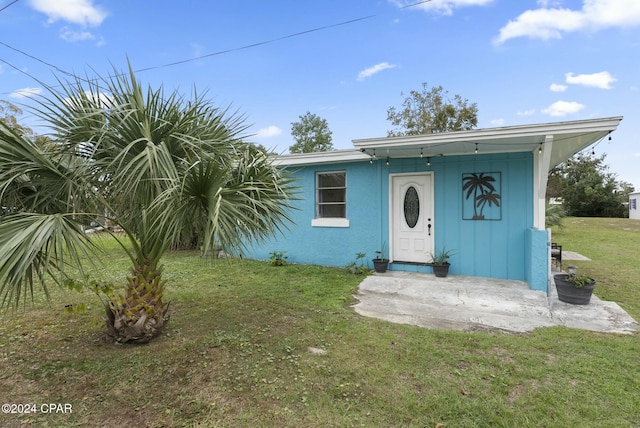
(570, 137)
(335, 156)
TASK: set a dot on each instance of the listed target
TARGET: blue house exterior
(478, 194)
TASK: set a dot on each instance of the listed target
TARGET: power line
(277, 39)
(10, 4)
(253, 45)
(40, 60)
(222, 52)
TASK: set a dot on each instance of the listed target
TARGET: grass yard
(242, 350)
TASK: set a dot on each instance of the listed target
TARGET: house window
(633, 204)
(331, 199)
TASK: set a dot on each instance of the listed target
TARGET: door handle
(429, 226)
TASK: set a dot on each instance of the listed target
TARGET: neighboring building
(479, 194)
(634, 206)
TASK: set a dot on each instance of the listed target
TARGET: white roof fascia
(335, 156)
(517, 134)
(582, 126)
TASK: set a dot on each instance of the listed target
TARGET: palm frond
(35, 247)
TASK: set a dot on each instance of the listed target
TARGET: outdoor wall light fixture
(540, 149)
(421, 153)
(387, 161)
(428, 161)
(476, 148)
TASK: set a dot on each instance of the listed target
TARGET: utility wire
(10, 4)
(222, 52)
(41, 60)
(277, 39)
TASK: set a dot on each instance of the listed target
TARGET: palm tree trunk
(140, 314)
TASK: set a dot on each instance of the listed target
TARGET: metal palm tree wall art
(481, 196)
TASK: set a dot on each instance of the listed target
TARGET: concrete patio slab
(472, 303)
(572, 255)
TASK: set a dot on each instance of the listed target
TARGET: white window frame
(329, 221)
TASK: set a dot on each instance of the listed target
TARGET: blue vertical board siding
(331, 246)
(487, 248)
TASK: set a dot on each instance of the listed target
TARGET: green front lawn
(242, 349)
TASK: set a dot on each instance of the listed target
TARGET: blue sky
(522, 62)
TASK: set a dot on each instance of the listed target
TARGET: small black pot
(569, 293)
(441, 271)
(380, 265)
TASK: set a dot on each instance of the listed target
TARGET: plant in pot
(439, 262)
(574, 288)
(381, 262)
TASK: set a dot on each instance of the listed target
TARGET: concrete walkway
(472, 303)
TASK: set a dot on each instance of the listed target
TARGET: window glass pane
(339, 210)
(334, 179)
(411, 207)
(331, 195)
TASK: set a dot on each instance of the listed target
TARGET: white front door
(411, 217)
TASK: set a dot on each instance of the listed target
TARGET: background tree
(588, 189)
(432, 110)
(9, 114)
(156, 163)
(311, 133)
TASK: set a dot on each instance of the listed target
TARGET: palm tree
(159, 167)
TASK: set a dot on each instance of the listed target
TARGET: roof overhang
(563, 139)
(335, 156)
(568, 138)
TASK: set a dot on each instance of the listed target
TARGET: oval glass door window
(411, 207)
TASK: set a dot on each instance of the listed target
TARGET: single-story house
(479, 194)
(634, 206)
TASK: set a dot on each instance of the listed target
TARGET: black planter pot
(380, 265)
(569, 293)
(441, 271)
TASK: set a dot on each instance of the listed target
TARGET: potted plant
(574, 288)
(439, 262)
(381, 262)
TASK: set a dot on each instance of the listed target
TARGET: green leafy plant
(554, 215)
(103, 290)
(440, 257)
(277, 258)
(382, 253)
(358, 267)
(576, 280)
(580, 281)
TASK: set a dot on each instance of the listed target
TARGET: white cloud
(368, 72)
(600, 80)
(563, 108)
(104, 100)
(268, 132)
(444, 7)
(25, 92)
(529, 112)
(557, 88)
(550, 23)
(497, 122)
(69, 35)
(82, 12)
